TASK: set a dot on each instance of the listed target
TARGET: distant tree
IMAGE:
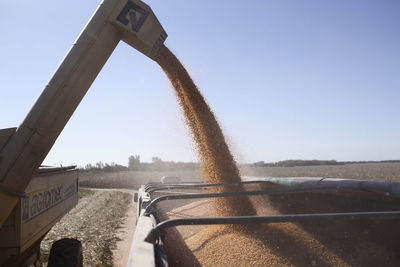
(134, 162)
(107, 168)
(88, 166)
(156, 160)
(99, 165)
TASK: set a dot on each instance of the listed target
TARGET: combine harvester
(33, 199)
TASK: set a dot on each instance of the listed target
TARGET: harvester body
(23, 149)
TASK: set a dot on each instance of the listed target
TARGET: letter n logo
(133, 14)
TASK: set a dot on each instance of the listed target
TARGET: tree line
(135, 164)
(157, 164)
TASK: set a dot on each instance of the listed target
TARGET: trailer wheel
(66, 252)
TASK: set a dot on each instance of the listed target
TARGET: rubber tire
(66, 252)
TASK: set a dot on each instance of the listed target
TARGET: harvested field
(133, 179)
(363, 171)
(95, 221)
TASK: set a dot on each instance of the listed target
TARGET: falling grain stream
(218, 164)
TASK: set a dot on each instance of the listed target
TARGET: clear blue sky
(286, 79)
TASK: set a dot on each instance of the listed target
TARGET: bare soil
(96, 221)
